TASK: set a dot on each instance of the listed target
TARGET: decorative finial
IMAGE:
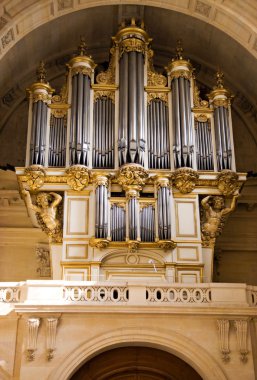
(41, 72)
(82, 47)
(133, 21)
(179, 50)
(219, 79)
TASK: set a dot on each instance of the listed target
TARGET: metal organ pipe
(182, 122)
(158, 135)
(80, 108)
(101, 208)
(132, 42)
(103, 138)
(164, 210)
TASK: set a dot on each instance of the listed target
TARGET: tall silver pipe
(176, 122)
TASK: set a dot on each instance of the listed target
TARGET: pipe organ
(134, 153)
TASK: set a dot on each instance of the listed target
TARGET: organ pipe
(132, 42)
(101, 207)
(103, 133)
(118, 222)
(220, 99)
(203, 139)
(81, 69)
(40, 96)
(180, 71)
(158, 135)
(94, 129)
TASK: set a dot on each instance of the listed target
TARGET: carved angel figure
(46, 207)
(215, 211)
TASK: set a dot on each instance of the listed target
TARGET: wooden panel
(76, 251)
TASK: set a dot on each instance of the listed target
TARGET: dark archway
(136, 363)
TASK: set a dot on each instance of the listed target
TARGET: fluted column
(40, 94)
(220, 100)
(180, 74)
(81, 69)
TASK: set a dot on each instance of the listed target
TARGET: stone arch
(24, 17)
(177, 344)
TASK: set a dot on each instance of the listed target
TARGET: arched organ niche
(130, 113)
(141, 159)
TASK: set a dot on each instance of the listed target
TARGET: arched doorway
(136, 363)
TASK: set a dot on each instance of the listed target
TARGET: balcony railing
(128, 294)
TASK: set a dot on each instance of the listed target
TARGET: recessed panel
(186, 219)
(77, 216)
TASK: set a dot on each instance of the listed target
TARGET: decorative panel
(76, 251)
(77, 216)
(186, 219)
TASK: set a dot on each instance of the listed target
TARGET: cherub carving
(214, 215)
(46, 212)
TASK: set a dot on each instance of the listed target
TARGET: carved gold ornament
(166, 244)
(108, 76)
(132, 175)
(109, 94)
(35, 176)
(133, 246)
(227, 182)
(213, 216)
(161, 181)
(99, 243)
(82, 70)
(77, 177)
(48, 214)
(163, 96)
(100, 179)
(153, 78)
(132, 44)
(185, 179)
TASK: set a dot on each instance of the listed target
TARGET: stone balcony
(61, 296)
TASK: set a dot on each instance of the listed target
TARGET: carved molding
(33, 325)
(77, 177)
(223, 328)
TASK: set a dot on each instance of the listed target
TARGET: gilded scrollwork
(166, 244)
(153, 78)
(49, 216)
(227, 182)
(133, 246)
(185, 180)
(77, 177)
(82, 70)
(163, 96)
(132, 44)
(214, 215)
(104, 93)
(132, 175)
(99, 243)
(108, 76)
(35, 176)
